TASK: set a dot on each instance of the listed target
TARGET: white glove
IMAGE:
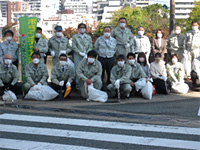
(52, 53)
(61, 83)
(127, 45)
(117, 84)
(68, 84)
(82, 54)
(163, 78)
(39, 84)
(62, 52)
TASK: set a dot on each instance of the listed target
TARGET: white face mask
(82, 30)
(177, 31)
(62, 63)
(120, 63)
(141, 59)
(7, 61)
(141, 33)
(59, 34)
(91, 60)
(174, 60)
(122, 25)
(36, 60)
(9, 38)
(157, 59)
(37, 35)
(159, 35)
(131, 61)
(195, 28)
(107, 34)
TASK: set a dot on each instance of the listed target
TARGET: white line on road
(31, 145)
(104, 124)
(148, 141)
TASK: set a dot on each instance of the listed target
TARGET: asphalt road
(163, 123)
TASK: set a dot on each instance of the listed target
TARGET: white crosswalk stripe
(93, 136)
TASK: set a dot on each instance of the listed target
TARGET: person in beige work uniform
(175, 43)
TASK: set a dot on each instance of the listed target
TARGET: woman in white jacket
(175, 75)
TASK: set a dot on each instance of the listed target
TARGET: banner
(27, 32)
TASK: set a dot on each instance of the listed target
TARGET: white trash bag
(41, 92)
(147, 90)
(181, 88)
(9, 96)
(186, 63)
(140, 84)
(96, 95)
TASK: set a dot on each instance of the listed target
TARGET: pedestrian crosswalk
(29, 132)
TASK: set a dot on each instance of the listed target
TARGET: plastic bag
(96, 95)
(147, 90)
(181, 88)
(41, 92)
(186, 64)
(140, 84)
(9, 96)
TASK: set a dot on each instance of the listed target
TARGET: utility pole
(172, 16)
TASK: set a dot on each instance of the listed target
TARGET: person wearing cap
(105, 46)
(141, 43)
(89, 72)
(58, 44)
(123, 37)
(175, 42)
(120, 77)
(159, 74)
(81, 45)
(40, 44)
(9, 75)
(35, 72)
(62, 74)
(10, 47)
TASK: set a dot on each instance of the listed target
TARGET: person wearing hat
(62, 74)
(89, 72)
(81, 45)
(10, 47)
(120, 77)
(40, 44)
(58, 44)
(9, 75)
(35, 72)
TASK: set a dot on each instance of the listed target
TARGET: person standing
(10, 47)
(105, 46)
(40, 44)
(123, 37)
(141, 43)
(58, 44)
(192, 41)
(175, 42)
(81, 45)
(159, 44)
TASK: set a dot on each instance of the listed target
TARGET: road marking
(31, 145)
(104, 124)
(148, 141)
(199, 112)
